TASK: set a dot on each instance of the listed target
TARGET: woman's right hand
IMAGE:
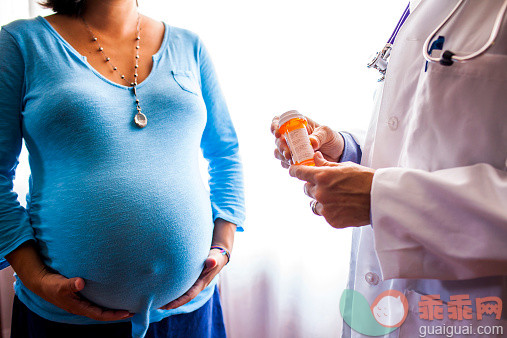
(329, 142)
(55, 288)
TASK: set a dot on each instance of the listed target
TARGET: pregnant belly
(135, 252)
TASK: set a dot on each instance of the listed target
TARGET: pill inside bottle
(293, 128)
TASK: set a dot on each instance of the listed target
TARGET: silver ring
(313, 205)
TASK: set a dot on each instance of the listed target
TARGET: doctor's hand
(342, 190)
(329, 142)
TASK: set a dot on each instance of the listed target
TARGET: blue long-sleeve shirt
(351, 150)
(124, 208)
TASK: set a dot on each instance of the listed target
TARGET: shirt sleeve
(220, 147)
(351, 149)
(448, 224)
(15, 227)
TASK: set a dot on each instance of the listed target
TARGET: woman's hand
(212, 266)
(55, 288)
(223, 236)
(342, 190)
(329, 142)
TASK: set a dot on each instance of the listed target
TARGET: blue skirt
(205, 322)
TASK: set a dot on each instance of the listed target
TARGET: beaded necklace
(139, 119)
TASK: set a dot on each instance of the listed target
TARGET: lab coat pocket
(461, 109)
(487, 67)
(414, 325)
(187, 81)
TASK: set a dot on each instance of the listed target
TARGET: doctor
(432, 179)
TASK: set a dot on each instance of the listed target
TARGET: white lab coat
(439, 197)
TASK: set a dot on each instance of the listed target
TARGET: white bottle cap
(291, 114)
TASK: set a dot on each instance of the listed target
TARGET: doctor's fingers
(312, 125)
(275, 127)
(285, 162)
(310, 190)
(305, 173)
(320, 136)
(329, 142)
(323, 194)
(283, 148)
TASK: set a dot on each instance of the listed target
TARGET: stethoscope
(448, 57)
(380, 61)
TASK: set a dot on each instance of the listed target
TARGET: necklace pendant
(140, 120)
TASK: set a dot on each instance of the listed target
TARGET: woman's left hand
(212, 266)
(223, 236)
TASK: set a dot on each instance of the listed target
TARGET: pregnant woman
(120, 236)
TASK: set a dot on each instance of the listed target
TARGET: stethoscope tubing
(482, 50)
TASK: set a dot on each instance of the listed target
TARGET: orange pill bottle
(293, 128)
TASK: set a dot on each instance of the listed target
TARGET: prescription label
(299, 145)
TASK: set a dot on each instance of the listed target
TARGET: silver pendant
(140, 120)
